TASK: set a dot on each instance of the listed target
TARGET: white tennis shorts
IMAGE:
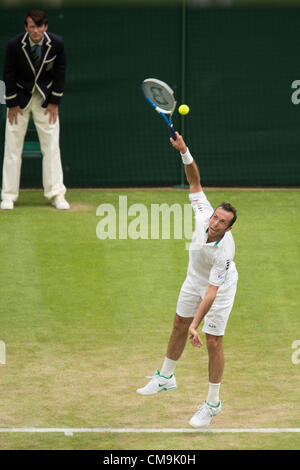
(215, 321)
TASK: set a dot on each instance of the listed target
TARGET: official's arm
(9, 77)
(59, 75)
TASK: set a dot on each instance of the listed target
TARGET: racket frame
(164, 113)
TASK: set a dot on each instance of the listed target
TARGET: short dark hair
(38, 16)
(229, 208)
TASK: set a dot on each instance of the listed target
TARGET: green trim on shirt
(217, 241)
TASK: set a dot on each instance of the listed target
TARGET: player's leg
(14, 142)
(215, 323)
(186, 309)
(164, 379)
(178, 337)
(212, 405)
(176, 344)
(215, 358)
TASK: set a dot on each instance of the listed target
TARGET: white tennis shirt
(209, 263)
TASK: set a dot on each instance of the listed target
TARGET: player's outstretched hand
(179, 144)
(195, 338)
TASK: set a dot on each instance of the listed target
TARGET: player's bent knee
(182, 323)
(213, 342)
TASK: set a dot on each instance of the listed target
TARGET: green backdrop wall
(239, 66)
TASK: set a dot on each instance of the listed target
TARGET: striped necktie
(36, 56)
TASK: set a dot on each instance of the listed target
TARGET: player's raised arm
(190, 166)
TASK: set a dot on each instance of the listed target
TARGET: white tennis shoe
(205, 414)
(158, 383)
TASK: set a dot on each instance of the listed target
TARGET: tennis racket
(161, 98)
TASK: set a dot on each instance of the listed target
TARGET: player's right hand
(179, 144)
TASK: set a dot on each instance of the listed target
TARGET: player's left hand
(195, 338)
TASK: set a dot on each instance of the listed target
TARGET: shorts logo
(227, 264)
(211, 325)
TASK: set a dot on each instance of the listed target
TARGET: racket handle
(173, 132)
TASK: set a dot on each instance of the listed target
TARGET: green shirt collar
(216, 243)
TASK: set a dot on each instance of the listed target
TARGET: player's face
(35, 32)
(218, 224)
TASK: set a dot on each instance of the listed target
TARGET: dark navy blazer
(20, 76)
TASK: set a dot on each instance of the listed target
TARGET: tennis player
(207, 293)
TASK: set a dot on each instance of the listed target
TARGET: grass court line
(71, 431)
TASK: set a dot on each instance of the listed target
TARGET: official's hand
(12, 114)
(179, 144)
(194, 337)
(52, 109)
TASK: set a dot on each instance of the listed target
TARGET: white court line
(71, 431)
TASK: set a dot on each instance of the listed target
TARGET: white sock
(168, 367)
(213, 394)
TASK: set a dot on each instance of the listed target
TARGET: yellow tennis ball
(183, 109)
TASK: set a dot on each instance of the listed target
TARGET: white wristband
(187, 158)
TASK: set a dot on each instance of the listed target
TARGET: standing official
(34, 75)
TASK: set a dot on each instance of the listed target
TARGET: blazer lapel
(27, 51)
(46, 47)
(45, 51)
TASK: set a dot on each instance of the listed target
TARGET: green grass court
(84, 321)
